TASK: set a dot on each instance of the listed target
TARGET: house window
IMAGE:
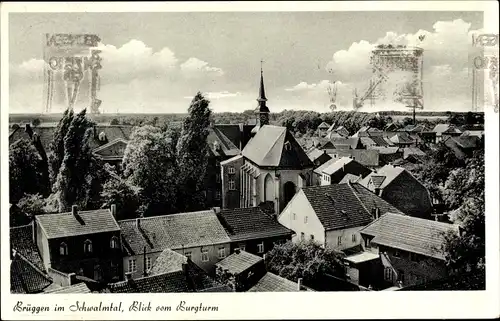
(305, 219)
(368, 243)
(232, 185)
(294, 216)
(204, 256)
(188, 255)
(353, 238)
(339, 240)
(113, 243)
(312, 237)
(302, 236)
(87, 246)
(388, 274)
(260, 247)
(63, 249)
(222, 253)
(148, 264)
(132, 265)
(97, 273)
(231, 170)
(217, 195)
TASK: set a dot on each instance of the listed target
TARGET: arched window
(87, 246)
(269, 188)
(113, 243)
(63, 249)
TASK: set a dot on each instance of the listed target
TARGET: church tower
(262, 110)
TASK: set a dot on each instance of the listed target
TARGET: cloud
(218, 95)
(194, 67)
(304, 86)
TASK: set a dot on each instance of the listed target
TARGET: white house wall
(346, 238)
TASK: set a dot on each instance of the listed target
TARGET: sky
(156, 62)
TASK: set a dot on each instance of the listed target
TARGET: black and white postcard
(250, 160)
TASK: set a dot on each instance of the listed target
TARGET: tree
(465, 251)
(80, 174)
(24, 171)
(57, 145)
(32, 205)
(125, 197)
(114, 121)
(36, 122)
(149, 164)
(192, 154)
(306, 260)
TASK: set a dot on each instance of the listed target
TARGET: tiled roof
(412, 151)
(410, 234)
(173, 231)
(324, 125)
(269, 148)
(461, 282)
(237, 263)
(390, 172)
(352, 142)
(161, 283)
(341, 206)
(380, 141)
(250, 223)
(367, 141)
(319, 169)
(336, 166)
(79, 288)
(385, 150)
(272, 283)
(220, 288)
(377, 180)
(226, 146)
(439, 128)
(366, 157)
(21, 240)
(351, 178)
(168, 261)
(466, 141)
(314, 153)
(88, 222)
(26, 277)
(112, 150)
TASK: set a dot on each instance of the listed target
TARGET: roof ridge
(98, 149)
(276, 141)
(357, 197)
(22, 257)
(166, 215)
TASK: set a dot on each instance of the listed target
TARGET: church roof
(276, 147)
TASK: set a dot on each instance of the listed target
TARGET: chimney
(185, 269)
(216, 210)
(299, 284)
(113, 210)
(138, 223)
(72, 278)
(74, 210)
(33, 226)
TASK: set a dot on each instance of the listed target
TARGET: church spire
(262, 92)
(262, 110)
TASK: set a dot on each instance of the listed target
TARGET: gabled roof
(366, 157)
(237, 263)
(174, 231)
(161, 283)
(319, 169)
(439, 128)
(341, 206)
(112, 150)
(275, 146)
(401, 139)
(250, 223)
(25, 277)
(314, 153)
(466, 141)
(407, 151)
(21, 240)
(272, 283)
(390, 173)
(79, 288)
(377, 180)
(352, 142)
(336, 166)
(380, 141)
(324, 125)
(367, 141)
(385, 150)
(351, 178)
(88, 222)
(410, 234)
(220, 144)
(168, 261)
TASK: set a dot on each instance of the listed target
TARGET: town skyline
(151, 68)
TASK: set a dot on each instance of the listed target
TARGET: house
(342, 131)
(25, 277)
(318, 157)
(252, 230)
(366, 131)
(83, 242)
(443, 130)
(79, 288)
(391, 127)
(112, 152)
(402, 140)
(245, 272)
(462, 146)
(335, 172)
(400, 188)
(322, 129)
(341, 143)
(412, 151)
(196, 235)
(332, 215)
(388, 154)
(410, 248)
(366, 157)
(350, 178)
(189, 278)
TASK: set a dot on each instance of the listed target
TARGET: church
(269, 170)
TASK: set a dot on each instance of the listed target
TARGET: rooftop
(272, 283)
(25, 277)
(239, 262)
(174, 231)
(21, 240)
(87, 222)
(250, 223)
(79, 288)
(410, 234)
(362, 257)
(168, 261)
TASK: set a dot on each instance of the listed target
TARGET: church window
(113, 243)
(260, 247)
(204, 256)
(87, 246)
(231, 170)
(232, 185)
(63, 249)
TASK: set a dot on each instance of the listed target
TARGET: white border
(482, 304)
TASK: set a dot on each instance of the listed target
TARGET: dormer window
(113, 243)
(63, 249)
(87, 246)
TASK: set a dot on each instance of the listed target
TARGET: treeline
(162, 171)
